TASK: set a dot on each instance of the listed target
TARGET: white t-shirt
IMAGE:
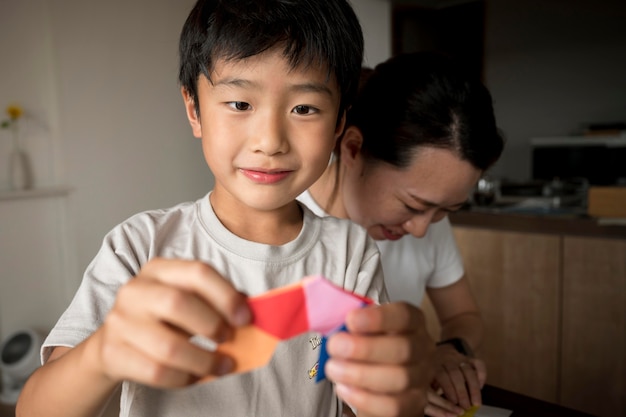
(336, 249)
(410, 264)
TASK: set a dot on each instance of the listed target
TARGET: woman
(418, 138)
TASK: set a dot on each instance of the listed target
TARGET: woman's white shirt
(412, 264)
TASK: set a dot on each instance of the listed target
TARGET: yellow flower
(14, 111)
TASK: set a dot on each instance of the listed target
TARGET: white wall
(126, 145)
(104, 116)
(375, 17)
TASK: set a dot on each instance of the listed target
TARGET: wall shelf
(56, 191)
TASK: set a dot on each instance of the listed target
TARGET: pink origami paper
(313, 304)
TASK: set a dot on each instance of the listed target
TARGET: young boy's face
(267, 130)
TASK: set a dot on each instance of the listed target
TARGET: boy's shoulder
(150, 223)
(160, 215)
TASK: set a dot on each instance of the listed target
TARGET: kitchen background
(107, 136)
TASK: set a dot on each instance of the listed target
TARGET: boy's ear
(351, 145)
(192, 114)
(341, 124)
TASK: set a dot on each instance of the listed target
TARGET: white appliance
(19, 358)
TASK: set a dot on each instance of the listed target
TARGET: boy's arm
(384, 365)
(68, 384)
(145, 338)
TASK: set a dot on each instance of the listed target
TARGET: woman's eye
(239, 105)
(414, 210)
(302, 109)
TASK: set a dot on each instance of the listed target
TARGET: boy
(265, 86)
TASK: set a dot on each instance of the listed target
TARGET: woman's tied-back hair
(424, 99)
(311, 32)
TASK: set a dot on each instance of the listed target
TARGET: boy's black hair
(424, 99)
(311, 32)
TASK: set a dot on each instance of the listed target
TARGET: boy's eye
(302, 109)
(239, 105)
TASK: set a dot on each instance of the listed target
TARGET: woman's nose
(418, 225)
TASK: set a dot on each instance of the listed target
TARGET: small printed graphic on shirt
(315, 342)
(313, 370)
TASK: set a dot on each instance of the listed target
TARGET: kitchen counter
(557, 224)
(551, 288)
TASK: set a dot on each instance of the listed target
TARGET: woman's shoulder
(334, 229)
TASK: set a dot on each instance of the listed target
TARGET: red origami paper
(313, 304)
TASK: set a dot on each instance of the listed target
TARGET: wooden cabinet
(593, 353)
(554, 307)
(515, 279)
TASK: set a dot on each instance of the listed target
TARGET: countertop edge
(556, 225)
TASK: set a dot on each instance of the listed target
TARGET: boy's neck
(327, 191)
(276, 227)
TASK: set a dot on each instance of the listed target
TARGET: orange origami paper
(313, 304)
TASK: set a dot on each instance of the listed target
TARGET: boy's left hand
(384, 365)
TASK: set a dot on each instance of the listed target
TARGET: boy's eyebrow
(304, 87)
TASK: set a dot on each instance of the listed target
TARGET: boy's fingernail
(224, 366)
(332, 369)
(342, 390)
(340, 346)
(242, 316)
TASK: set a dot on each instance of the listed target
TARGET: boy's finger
(202, 279)
(375, 404)
(395, 349)
(182, 309)
(396, 317)
(126, 363)
(372, 377)
(169, 347)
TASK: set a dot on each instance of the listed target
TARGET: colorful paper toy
(313, 304)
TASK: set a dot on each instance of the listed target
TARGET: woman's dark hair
(311, 32)
(424, 99)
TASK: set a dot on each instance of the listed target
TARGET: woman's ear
(192, 114)
(351, 143)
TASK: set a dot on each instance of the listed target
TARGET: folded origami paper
(313, 304)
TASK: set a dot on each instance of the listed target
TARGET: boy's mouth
(264, 176)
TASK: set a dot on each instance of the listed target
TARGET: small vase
(20, 173)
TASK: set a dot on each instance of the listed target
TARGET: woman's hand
(457, 384)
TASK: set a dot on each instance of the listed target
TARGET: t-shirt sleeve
(448, 262)
(370, 281)
(114, 264)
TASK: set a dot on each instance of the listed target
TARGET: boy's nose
(270, 136)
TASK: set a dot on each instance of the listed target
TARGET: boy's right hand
(146, 336)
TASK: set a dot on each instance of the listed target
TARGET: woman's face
(391, 202)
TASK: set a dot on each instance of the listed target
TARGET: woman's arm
(457, 312)
(460, 376)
